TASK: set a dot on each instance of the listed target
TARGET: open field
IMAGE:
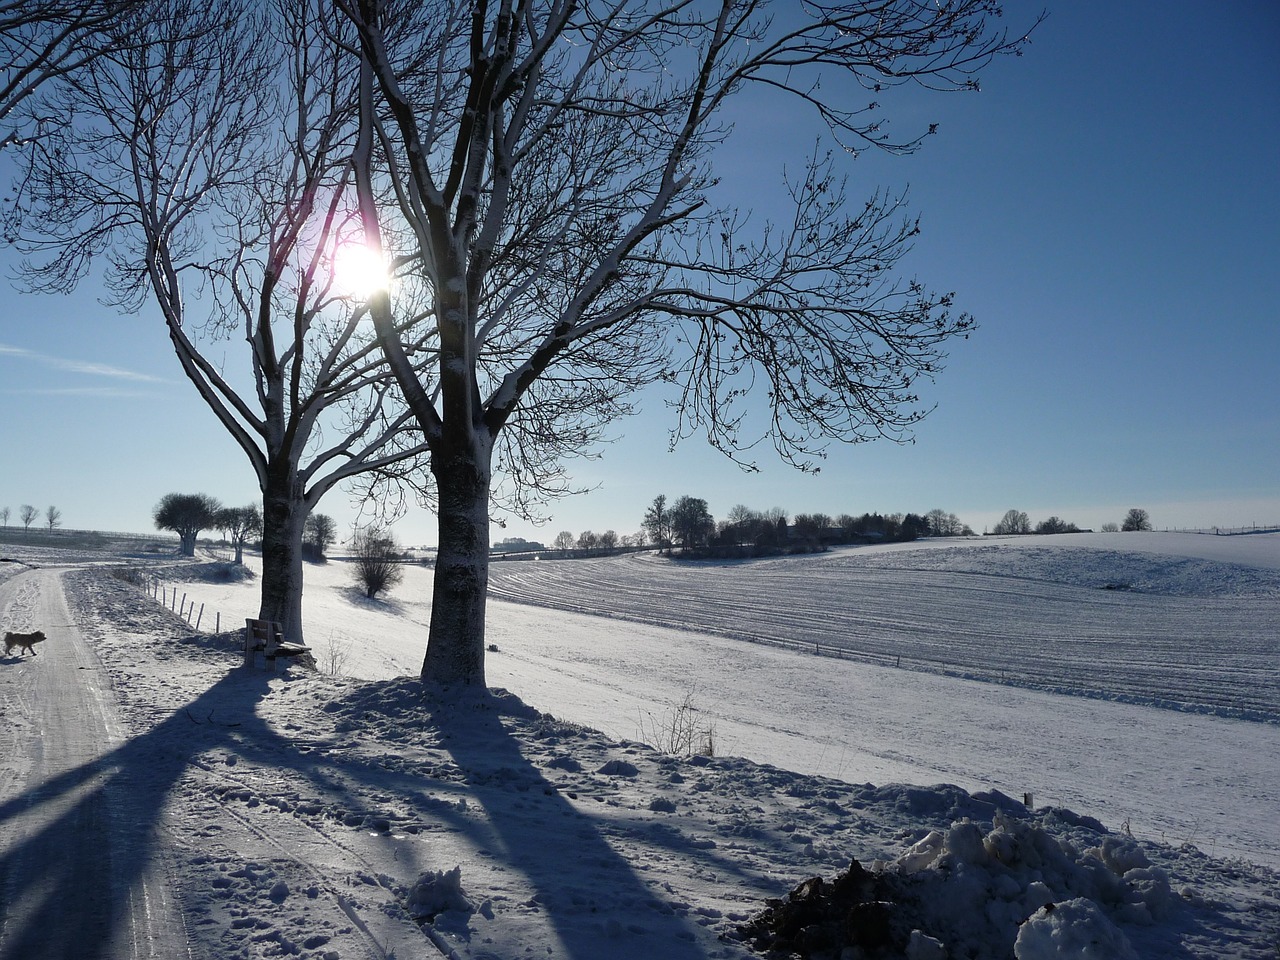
(1167, 630)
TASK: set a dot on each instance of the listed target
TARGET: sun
(360, 271)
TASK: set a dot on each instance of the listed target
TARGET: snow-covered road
(78, 872)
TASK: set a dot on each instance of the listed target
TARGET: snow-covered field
(1129, 679)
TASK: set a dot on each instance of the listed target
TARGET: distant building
(516, 545)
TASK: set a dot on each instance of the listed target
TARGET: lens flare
(360, 271)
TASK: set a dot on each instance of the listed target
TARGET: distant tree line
(687, 525)
(1016, 522)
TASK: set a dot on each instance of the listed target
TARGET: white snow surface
(887, 704)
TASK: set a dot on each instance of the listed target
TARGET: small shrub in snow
(680, 732)
(334, 656)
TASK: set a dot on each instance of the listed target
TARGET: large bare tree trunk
(455, 645)
(284, 512)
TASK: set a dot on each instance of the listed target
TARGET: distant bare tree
(27, 514)
(53, 518)
(1135, 520)
(691, 523)
(377, 561)
(1110, 528)
(943, 524)
(657, 521)
(318, 533)
(4, 516)
(609, 539)
(1014, 521)
(587, 541)
(1056, 525)
(811, 526)
(563, 541)
(239, 524)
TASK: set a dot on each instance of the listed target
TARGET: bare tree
(1056, 525)
(554, 178)
(43, 42)
(943, 524)
(186, 514)
(377, 561)
(209, 164)
(1135, 520)
(564, 541)
(318, 533)
(27, 514)
(4, 516)
(238, 524)
(657, 521)
(53, 518)
(691, 523)
(1013, 522)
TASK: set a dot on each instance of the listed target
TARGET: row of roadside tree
(188, 514)
(27, 515)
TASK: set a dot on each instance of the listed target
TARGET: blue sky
(1108, 207)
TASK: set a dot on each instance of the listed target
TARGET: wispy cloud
(86, 367)
(103, 370)
(75, 392)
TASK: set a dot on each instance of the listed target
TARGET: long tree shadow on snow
(578, 886)
(67, 885)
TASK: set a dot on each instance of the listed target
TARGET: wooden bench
(266, 637)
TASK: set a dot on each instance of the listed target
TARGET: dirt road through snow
(78, 875)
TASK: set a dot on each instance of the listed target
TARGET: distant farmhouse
(516, 545)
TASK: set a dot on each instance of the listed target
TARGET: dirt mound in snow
(1013, 891)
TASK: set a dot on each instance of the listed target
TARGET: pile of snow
(982, 891)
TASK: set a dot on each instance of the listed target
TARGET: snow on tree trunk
(283, 514)
(455, 644)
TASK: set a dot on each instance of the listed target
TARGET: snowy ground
(313, 814)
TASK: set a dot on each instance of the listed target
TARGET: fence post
(200, 615)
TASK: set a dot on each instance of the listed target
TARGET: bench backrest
(265, 633)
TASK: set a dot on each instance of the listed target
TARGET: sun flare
(360, 271)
